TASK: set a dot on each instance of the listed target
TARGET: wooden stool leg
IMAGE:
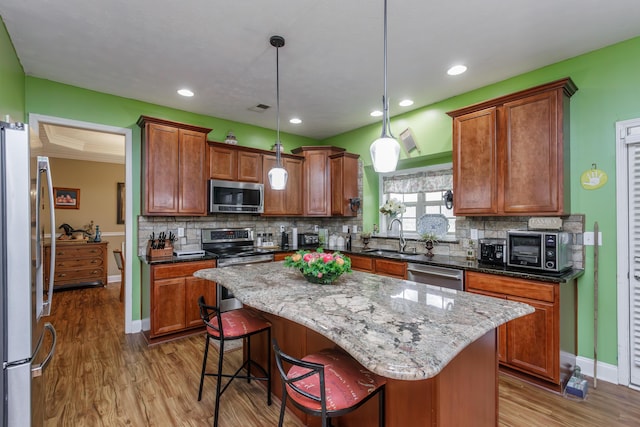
(121, 285)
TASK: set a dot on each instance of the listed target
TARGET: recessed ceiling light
(456, 69)
(405, 103)
(376, 113)
(185, 92)
(295, 121)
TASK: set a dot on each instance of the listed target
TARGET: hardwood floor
(102, 377)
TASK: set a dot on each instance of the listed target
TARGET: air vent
(260, 108)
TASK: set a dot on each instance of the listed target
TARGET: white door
(629, 219)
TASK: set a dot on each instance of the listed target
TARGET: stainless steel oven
(232, 246)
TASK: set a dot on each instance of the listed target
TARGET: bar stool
(328, 384)
(228, 326)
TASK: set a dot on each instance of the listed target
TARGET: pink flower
(307, 257)
(327, 258)
(319, 275)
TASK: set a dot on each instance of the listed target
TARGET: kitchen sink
(390, 253)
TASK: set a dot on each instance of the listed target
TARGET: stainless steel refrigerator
(25, 344)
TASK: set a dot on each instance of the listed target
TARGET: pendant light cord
(386, 121)
(278, 106)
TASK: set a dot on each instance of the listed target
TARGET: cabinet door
(168, 306)
(194, 288)
(344, 183)
(532, 155)
(293, 199)
(386, 267)
(289, 200)
(249, 166)
(317, 200)
(193, 175)
(223, 162)
(361, 263)
(475, 163)
(161, 174)
(531, 341)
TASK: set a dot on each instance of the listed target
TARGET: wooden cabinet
(280, 256)
(288, 201)
(174, 297)
(511, 154)
(319, 175)
(362, 263)
(234, 163)
(541, 345)
(386, 267)
(344, 183)
(77, 264)
(174, 168)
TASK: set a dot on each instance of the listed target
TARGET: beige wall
(97, 183)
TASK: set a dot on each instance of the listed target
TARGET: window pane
(433, 196)
(411, 197)
(410, 212)
(409, 224)
(433, 209)
(396, 196)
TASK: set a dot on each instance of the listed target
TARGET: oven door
(525, 250)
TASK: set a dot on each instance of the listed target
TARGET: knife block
(152, 254)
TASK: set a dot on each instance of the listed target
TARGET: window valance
(437, 180)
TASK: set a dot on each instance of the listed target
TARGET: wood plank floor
(102, 377)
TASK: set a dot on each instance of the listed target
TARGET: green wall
(608, 91)
(12, 97)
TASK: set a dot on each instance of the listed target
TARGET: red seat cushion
(346, 381)
(237, 323)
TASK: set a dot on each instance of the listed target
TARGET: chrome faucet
(402, 242)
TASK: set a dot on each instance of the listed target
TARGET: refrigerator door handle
(37, 370)
(44, 167)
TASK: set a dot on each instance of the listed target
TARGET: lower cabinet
(174, 297)
(384, 267)
(542, 345)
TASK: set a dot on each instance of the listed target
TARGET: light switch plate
(589, 238)
(345, 228)
(474, 234)
(355, 229)
(180, 231)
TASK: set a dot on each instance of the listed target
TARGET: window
(422, 192)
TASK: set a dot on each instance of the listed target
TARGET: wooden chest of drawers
(78, 264)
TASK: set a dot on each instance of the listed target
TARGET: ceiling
(331, 66)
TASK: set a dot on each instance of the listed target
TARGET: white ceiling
(331, 65)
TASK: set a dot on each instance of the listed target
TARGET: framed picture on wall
(120, 204)
(66, 198)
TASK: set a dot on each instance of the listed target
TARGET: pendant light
(278, 174)
(385, 150)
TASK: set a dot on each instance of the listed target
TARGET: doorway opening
(36, 121)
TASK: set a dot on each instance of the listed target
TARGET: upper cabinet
(287, 202)
(320, 180)
(174, 167)
(234, 163)
(511, 154)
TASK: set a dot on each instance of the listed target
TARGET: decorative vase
(326, 279)
(365, 242)
(98, 237)
(428, 244)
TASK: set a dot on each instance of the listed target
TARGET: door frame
(34, 120)
(623, 281)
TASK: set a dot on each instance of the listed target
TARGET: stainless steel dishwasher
(451, 278)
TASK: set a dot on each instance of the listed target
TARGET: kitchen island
(436, 346)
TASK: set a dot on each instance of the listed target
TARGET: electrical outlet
(315, 228)
(282, 228)
(345, 228)
(355, 229)
(180, 231)
(589, 238)
(474, 234)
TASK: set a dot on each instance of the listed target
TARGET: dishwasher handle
(438, 274)
(448, 273)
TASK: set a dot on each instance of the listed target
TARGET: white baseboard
(606, 372)
(114, 278)
(136, 326)
(145, 324)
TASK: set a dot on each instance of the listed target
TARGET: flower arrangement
(429, 237)
(393, 207)
(319, 267)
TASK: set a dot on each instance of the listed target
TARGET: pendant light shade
(277, 175)
(385, 150)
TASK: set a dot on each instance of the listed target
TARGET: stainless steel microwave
(539, 250)
(235, 197)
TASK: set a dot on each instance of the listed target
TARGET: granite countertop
(396, 328)
(457, 262)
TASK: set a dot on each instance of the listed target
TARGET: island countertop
(396, 328)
